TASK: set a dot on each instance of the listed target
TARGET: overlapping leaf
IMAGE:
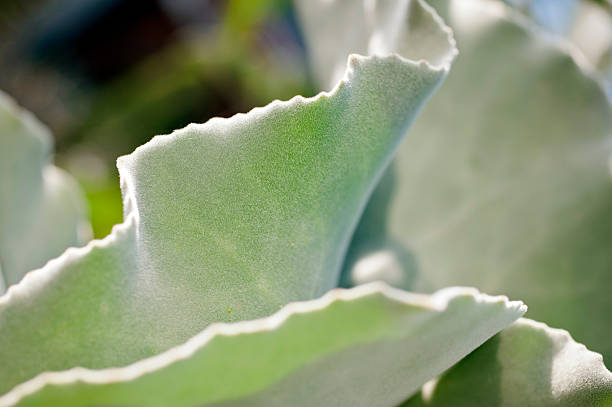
(224, 221)
(335, 29)
(504, 181)
(586, 24)
(42, 209)
(369, 346)
(526, 365)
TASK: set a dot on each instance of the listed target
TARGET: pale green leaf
(224, 221)
(585, 24)
(591, 33)
(503, 183)
(528, 364)
(42, 209)
(335, 29)
(371, 346)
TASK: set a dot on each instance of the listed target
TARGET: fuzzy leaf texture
(42, 209)
(527, 364)
(370, 346)
(509, 192)
(229, 221)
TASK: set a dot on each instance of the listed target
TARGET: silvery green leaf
(334, 29)
(224, 221)
(504, 182)
(585, 24)
(527, 364)
(371, 346)
(42, 209)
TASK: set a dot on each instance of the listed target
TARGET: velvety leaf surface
(504, 182)
(335, 29)
(527, 364)
(371, 346)
(224, 221)
(42, 209)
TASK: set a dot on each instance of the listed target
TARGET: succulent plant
(220, 286)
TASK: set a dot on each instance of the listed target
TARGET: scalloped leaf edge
(438, 302)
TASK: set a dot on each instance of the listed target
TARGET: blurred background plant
(107, 75)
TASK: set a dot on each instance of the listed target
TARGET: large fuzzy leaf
(42, 209)
(586, 24)
(504, 181)
(528, 364)
(334, 29)
(370, 346)
(224, 221)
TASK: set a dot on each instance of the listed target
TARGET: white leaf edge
(436, 302)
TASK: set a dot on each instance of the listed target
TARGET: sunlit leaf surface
(528, 364)
(365, 347)
(503, 182)
(224, 221)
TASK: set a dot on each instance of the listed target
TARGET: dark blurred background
(107, 75)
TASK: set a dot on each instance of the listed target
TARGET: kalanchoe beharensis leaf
(586, 24)
(370, 346)
(224, 221)
(335, 29)
(42, 209)
(527, 364)
(503, 183)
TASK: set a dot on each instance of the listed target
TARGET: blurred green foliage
(248, 58)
